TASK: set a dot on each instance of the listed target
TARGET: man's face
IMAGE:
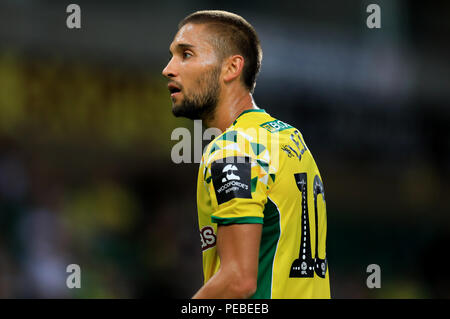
(193, 73)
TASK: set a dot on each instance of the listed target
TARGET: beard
(202, 103)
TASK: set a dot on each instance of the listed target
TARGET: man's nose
(169, 71)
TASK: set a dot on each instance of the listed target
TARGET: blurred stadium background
(86, 175)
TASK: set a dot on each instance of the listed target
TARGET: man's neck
(229, 109)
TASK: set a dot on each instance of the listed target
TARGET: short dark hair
(232, 35)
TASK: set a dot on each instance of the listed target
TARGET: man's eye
(186, 55)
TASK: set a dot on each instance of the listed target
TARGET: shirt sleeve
(238, 183)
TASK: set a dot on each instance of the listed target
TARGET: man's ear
(233, 67)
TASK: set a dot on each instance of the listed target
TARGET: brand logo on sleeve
(229, 171)
(231, 180)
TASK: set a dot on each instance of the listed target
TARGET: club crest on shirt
(231, 178)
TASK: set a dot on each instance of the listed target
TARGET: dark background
(86, 175)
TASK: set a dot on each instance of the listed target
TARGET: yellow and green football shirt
(260, 171)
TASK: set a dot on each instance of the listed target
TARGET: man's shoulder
(253, 135)
(261, 121)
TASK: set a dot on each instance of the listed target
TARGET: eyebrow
(181, 46)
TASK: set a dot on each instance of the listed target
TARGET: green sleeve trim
(237, 220)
